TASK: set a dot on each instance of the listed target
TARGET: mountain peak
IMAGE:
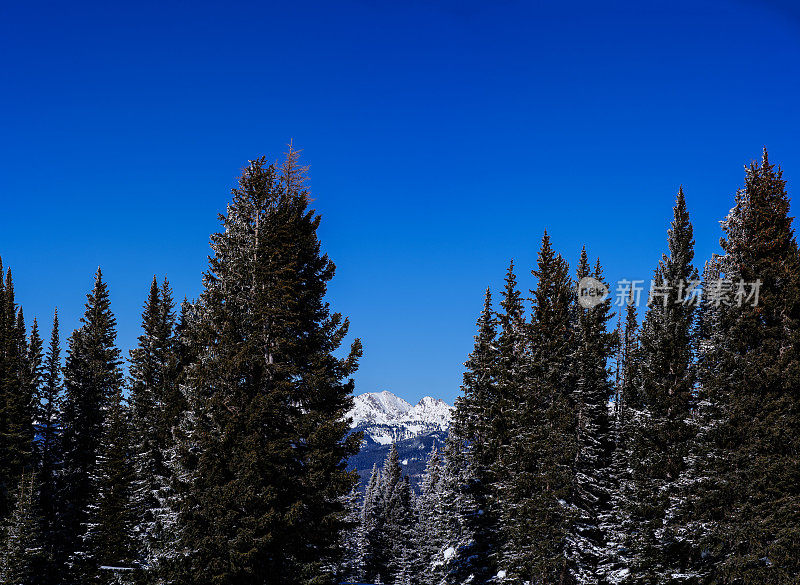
(385, 417)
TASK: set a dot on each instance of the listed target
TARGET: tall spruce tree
(458, 519)
(538, 464)
(476, 436)
(349, 567)
(748, 489)
(617, 523)
(429, 539)
(154, 388)
(92, 377)
(661, 438)
(48, 452)
(397, 505)
(33, 378)
(265, 453)
(592, 481)
(372, 553)
(16, 398)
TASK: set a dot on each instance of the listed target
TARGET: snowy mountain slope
(385, 418)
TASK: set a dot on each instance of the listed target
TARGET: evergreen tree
(16, 397)
(22, 557)
(747, 490)
(92, 377)
(264, 456)
(660, 441)
(397, 503)
(458, 521)
(429, 539)
(372, 553)
(33, 378)
(108, 540)
(154, 373)
(476, 435)
(511, 377)
(617, 522)
(47, 414)
(539, 462)
(591, 495)
(349, 569)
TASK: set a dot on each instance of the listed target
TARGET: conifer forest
(431, 292)
(589, 444)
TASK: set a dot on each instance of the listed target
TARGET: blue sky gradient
(443, 138)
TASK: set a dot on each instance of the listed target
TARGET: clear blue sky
(443, 138)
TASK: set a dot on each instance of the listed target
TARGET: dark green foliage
(592, 390)
(265, 442)
(429, 539)
(372, 554)
(661, 432)
(537, 465)
(17, 388)
(22, 558)
(156, 403)
(477, 435)
(92, 377)
(229, 465)
(398, 515)
(48, 453)
(617, 522)
(747, 489)
(108, 540)
(388, 546)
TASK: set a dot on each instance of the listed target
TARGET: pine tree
(349, 569)
(459, 519)
(660, 441)
(16, 397)
(476, 435)
(267, 443)
(747, 490)
(617, 522)
(48, 452)
(33, 378)
(92, 377)
(511, 377)
(372, 554)
(591, 492)
(154, 374)
(538, 464)
(22, 557)
(429, 539)
(108, 541)
(397, 503)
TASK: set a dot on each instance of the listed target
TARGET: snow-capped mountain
(385, 418)
(415, 430)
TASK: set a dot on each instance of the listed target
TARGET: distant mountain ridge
(385, 418)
